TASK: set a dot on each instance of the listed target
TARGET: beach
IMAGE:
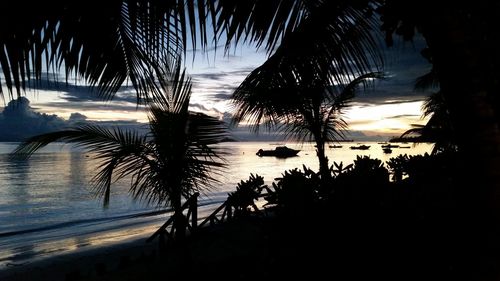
(209, 251)
(87, 262)
(260, 248)
(47, 206)
(54, 228)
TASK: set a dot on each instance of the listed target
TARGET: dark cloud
(85, 94)
(77, 91)
(222, 96)
(77, 117)
(209, 76)
(222, 75)
(404, 64)
(19, 121)
(89, 106)
(403, 116)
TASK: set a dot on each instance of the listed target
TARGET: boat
(390, 146)
(404, 147)
(335, 146)
(387, 150)
(360, 147)
(280, 152)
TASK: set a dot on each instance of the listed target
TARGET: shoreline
(45, 243)
(206, 250)
(86, 261)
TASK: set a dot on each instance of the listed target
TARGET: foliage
(125, 39)
(397, 166)
(367, 167)
(305, 110)
(295, 192)
(175, 159)
(105, 46)
(246, 193)
(338, 169)
(438, 128)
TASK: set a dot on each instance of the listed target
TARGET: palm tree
(438, 128)
(463, 44)
(175, 159)
(332, 41)
(309, 112)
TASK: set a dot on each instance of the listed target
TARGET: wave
(98, 220)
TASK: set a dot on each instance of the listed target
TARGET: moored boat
(390, 146)
(360, 147)
(280, 152)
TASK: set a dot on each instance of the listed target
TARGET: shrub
(246, 192)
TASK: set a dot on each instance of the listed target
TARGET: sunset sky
(387, 110)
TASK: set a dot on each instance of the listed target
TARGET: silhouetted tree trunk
(180, 221)
(324, 170)
(464, 41)
(465, 54)
(323, 160)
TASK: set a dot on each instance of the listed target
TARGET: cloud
(199, 107)
(77, 117)
(404, 64)
(404, 116)
(222, 96)
(78, 91)
(19, 121)
(245, 133)
(91, 106)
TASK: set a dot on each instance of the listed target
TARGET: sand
(204, 253)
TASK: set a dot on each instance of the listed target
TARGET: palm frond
(269, 100)
(263, 22)
(435, 104)
(332, 44)
(427, 81)
(347, 93)
(175, 159)
(116, 149)
(104, 45)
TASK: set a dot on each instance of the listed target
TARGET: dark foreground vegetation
(407, 219)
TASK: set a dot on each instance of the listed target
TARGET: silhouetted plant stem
(323, 161)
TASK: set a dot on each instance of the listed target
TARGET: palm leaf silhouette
(104, 45)
(173, 161)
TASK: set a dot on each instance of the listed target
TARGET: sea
(48, 208)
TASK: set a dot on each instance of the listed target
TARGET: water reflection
(52, 188)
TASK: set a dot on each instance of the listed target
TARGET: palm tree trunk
(324, 170)
(179, 222)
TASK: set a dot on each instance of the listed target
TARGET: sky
(386, 110)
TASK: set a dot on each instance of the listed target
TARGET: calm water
(47, 207)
